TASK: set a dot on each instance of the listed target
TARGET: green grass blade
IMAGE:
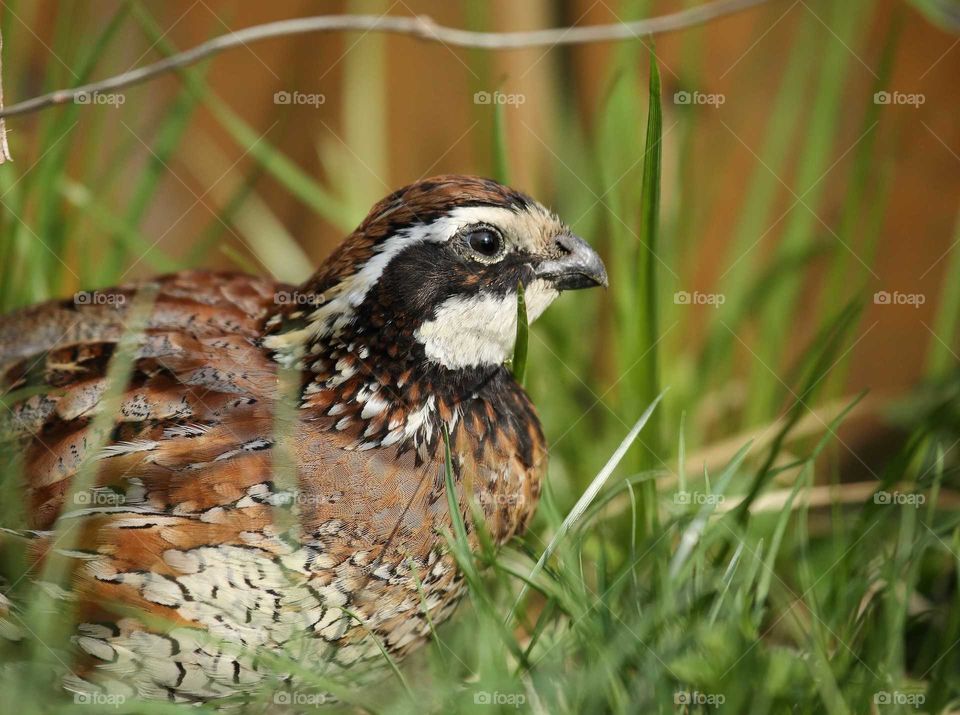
(648, 271)
(461, 540)
(591, 492)
(520, 344)
(825, 348)
(691, 536)
(944, 13)
(757, 211)
(126, 234)
(56, 565)
(58, 135)
(941, 354)
(255, 143)
(847, 25)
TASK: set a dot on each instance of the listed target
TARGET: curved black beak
(577, 266)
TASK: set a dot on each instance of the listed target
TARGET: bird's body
(272, 479)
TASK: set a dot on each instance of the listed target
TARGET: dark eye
(484, 241)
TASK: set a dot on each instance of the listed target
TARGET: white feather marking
(480, 330)
(189, 430)
(392, 438)
(115, 450)
(375, 405)
(419, 418)
(97, 648)
(341, 377)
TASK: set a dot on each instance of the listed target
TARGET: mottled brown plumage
(274, 478)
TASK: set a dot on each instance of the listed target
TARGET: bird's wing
(195, 362)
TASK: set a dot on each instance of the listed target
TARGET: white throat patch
(480, 330)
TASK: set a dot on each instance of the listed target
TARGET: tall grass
(735, 568)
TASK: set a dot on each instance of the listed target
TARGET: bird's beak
(578, 266)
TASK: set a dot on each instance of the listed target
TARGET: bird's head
(432, 275)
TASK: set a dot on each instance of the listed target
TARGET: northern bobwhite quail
(403, 331)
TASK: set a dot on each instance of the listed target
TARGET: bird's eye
(484, 242)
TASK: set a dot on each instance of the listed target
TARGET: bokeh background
(796, 81)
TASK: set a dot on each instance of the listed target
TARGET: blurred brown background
(430, 126)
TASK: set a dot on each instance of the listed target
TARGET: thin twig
(828, 495)
(419, 26)
(4, 147)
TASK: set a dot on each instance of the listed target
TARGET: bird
(272, 474)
